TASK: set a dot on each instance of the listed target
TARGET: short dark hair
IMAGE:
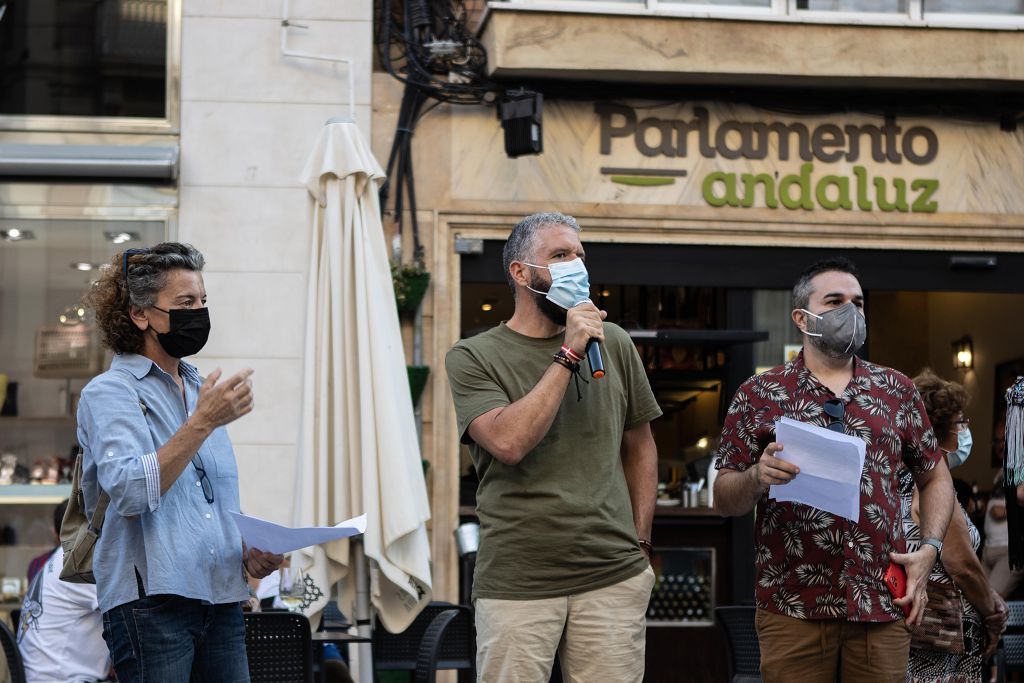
(802, 288)
(58, 515)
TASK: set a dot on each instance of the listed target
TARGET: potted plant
(410, 282)
(417, 380)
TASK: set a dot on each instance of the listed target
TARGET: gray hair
(802, 290)
(520, 244)
(147, 273)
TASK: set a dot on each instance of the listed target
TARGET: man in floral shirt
(823, 610)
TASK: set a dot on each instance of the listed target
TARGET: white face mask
(570, 283)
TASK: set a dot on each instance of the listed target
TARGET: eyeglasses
(203, 479)
(835, 409)
(128, 253)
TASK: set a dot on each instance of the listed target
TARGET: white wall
(249, 117)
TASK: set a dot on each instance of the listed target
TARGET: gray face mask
(840, 332)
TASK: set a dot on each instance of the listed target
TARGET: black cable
(411, 184)
(435, 105)
(409, 50)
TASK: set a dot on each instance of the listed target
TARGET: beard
(830, 351)
(550, 309)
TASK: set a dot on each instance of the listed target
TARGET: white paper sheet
(274, 538)
(830, 468)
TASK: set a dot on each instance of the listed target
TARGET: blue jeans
(171, 639)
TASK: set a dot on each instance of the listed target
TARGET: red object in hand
(896, 581)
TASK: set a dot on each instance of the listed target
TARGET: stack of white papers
(274, 538)
(830, 468)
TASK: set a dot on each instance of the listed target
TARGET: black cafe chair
(279, 648)
(1010, 654)
(450, 643)
(14, 663)
(430, 648)
(741, 636)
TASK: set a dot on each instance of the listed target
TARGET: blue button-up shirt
(177, 543)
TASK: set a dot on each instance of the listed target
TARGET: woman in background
(984, 612)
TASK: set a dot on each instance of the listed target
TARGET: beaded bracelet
(566, 362)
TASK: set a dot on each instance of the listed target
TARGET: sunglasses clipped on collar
(835, 409)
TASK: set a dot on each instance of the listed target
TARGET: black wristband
(565, 362)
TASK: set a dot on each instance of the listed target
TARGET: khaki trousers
(599, 635)
(831, 650)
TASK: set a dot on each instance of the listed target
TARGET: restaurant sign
(838, 169)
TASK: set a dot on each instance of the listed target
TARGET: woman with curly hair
(958, 568)
(169, 562)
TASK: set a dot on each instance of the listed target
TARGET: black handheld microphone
(595, 360)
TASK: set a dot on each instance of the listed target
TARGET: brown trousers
(831, 650)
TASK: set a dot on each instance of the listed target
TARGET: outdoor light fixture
(702, 442)
(487, 305)
(72, 315)
(17, 235)
(963, 353)
(121, 237)
(520, 112)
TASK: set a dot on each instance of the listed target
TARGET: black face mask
(190, 328)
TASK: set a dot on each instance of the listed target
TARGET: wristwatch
(935, 543)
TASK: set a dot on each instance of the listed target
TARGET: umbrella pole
(363, 623)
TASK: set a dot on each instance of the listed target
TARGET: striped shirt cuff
(151, 467)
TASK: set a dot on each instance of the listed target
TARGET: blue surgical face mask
(570, 283)
(964, 441)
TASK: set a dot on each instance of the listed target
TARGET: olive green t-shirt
(560, 521)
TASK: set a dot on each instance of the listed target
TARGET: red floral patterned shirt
(812, 564)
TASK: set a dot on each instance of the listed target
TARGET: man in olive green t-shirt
(568, 476)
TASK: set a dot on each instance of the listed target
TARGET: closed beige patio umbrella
(358, 444)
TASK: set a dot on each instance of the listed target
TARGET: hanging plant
(417, 380)
(410, 281)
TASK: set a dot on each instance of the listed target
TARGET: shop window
(973, 14)
(49, 348)
(105, 58)
(975, 6)
(48, 351)
(772, 308)
(853, 5)
(723, 3)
